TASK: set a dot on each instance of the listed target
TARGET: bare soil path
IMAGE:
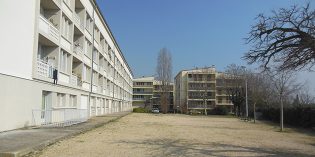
(183, 135)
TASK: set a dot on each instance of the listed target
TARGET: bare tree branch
(285, 40)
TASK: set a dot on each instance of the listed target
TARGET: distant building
(200, 89)
(157, 91)
(142, 91)
(147, 93)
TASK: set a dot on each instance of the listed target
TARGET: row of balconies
(196, 79)
(45, 70)
(50, 26)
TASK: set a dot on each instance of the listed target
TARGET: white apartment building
(200, 89)
(72, 38)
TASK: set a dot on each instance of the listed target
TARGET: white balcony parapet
(44, 69)
(48, 28)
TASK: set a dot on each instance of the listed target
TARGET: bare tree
(234, 85)
(284, 83)
(285, 40)
(164, 75)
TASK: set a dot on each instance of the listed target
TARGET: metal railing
(44, 69)
(59, 117)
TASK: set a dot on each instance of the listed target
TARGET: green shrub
(141, 110)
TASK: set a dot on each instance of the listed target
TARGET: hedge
(298, 116)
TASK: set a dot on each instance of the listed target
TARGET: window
(86, 73)
(73, 100)
(65, 28)
(88, 24)
(95, 56)
(61, 100)
(64, 59)
(88, 48)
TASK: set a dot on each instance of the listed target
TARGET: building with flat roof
(59, 64)
(142, 91)
(197, 89)
(147, 93)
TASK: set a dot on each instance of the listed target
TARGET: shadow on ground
(170, 147)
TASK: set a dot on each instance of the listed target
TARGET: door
(46, 107)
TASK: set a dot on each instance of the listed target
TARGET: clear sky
(197, 32)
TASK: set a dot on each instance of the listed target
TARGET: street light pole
(246, 99)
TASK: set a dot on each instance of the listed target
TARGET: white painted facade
(72, 37)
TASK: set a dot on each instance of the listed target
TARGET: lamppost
(246, 98)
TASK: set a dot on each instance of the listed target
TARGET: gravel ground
(183, 135)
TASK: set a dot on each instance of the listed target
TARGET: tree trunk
(255, 112)
(281, 113)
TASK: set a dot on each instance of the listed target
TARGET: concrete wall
(20, 96)
(17, 37)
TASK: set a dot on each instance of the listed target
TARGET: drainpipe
(91, 85)
(114, 56)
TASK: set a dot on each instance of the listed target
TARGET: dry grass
(182, 135)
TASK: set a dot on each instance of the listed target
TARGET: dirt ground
(183, 135)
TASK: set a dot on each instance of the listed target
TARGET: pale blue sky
(197, 32)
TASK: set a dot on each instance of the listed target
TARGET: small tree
(164, 76)
(284, 84)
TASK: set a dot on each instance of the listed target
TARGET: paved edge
(31, 151)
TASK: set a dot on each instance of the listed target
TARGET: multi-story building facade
(142, 91)
(62, 41)
(197, 89)
(147, 93)
(157, 93)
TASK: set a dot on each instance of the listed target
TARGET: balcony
(78, 21)
(202, 88)
(75, 80)
(78, 50)
(143, 93)
(48, 28)
(138, 99)
(44, 69)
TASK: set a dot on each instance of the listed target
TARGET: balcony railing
(136, 92)
(201, 88)
(201, 79)
(139, 99)
(59, 117)
(48, 28)
(201, 97)
(44, 69)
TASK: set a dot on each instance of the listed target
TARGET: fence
(59, 117)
